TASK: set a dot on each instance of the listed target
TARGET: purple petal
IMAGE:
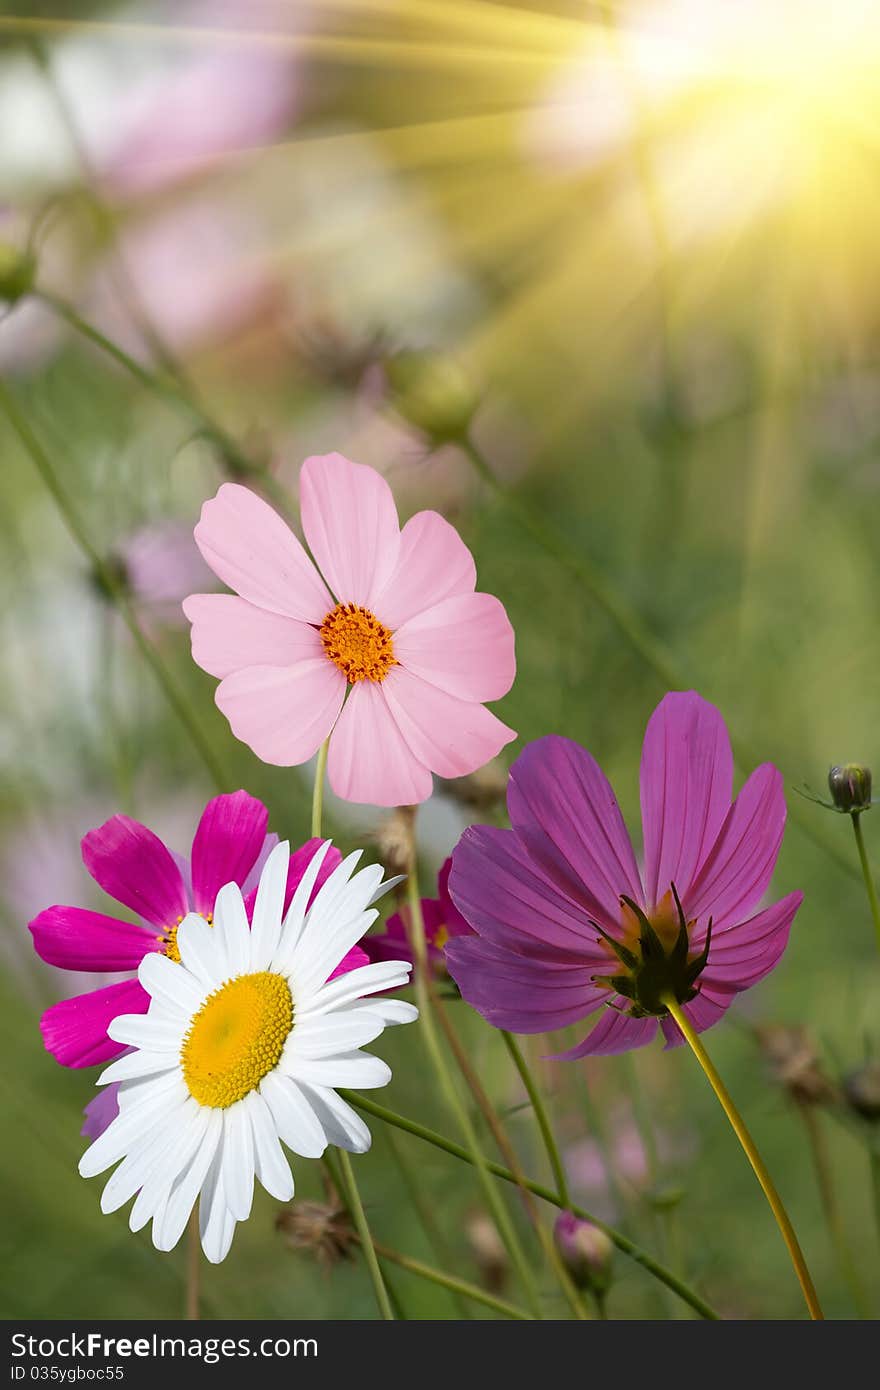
(740, 864)
(352, 960)
(75, 1031)
(393, 943)
(702, 1013)
(78, 939)
(134, 867)
(686, 790)
(229, 837)
(615, 1032)
(520, 993)
(454, 921)
(563, 810)
(101, 1111)
(741, 956)
(299, 862)
(504, 895)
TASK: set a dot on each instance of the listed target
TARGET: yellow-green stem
(540, 1112)
(459, 1287)
(193, 1268)
(423, 991)
(739, 1128)
(866, 873)
(318, 789)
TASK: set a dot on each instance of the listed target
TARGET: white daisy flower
(241, 1047)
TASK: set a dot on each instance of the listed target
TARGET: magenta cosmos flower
(391, 657)
(442, 920)
(565, 922)
(133, 866)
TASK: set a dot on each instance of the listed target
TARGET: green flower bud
(17, 272)
(586, 1252)
(433, 393)
(850, 787)
(862, 1091)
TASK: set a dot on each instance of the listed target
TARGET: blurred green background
(640, 242)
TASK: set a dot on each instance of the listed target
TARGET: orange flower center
(357, 643)
(168, 938)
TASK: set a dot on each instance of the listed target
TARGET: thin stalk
(875, 1187)
(870, 886)
(111, 586)
(540, 1113)
(739, 1128)
(353, 1196)
(629, 1247)
(425, 1001)
(433, 1233)
(193, 1268)
(831, 1208)
(460, 1287)
(645, 1128)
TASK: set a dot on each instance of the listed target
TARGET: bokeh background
(638, 241)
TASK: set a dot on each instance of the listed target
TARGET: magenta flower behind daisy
(133, 866)
(565, 923)
(442, 920)
(388, 650)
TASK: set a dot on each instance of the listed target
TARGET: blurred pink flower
(442, 921)
(397, 629)
(160, 564)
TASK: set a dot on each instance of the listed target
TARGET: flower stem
(318, 789)
(422, 1207)
(424, 998)
(356, 1207)
(831, 1208)
(751, 1152)
(540, 1113)
(111, 586)
(629, 1247)
(460, 1287)
(866, 873)
(193, 1268)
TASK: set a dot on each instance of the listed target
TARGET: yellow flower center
(236, 1038)
(168, 938)
(441, 936)
(357, 643)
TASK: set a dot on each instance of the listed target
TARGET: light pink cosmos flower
(391, 653)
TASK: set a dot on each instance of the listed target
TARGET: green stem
(739, 1128)
(193, 1268)
(866, 873)
(540, 1113)
(439, 1141)
(423, 991)
(460, 1287)
(111, 585)
(831, 1209)
(422, 1207)
(318, 789)
(875, 1187)
(356, 1208)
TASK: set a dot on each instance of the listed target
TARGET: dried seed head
(795, 1063)
(320, 1227)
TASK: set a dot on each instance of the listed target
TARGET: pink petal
(228, 634)
(701, 1012)
(78, 939)
(283, 713)
(299, 862)
(464, 645)
(448, 735)
(350, 522)
(686, 790)
(452, 919)
(741, 956)
(75, 1031)
(352, 960)
(369, 758)
(101, 1111)
(563, 809)
(229, 837)
(615, 1032)
(134, 867)
(433, 563)
(254, 551)
(739, 866)
(520, 993)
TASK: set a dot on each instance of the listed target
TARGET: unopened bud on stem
(850, 787)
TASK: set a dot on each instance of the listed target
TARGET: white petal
(137, 1064)
(269, 907)
(216, 1222)
(272, 1167)
(342, 1125)
(358, 1069)
(203, 952)
(187, 1186)
(367, 979)
(172, 983)
(154, 1093)
(238, 1161)
(232, 927)
(386, 887)
(314, 960)
(146, 1031)
(296, 913)
(391, 1011)
(295, 1120)
(136, 1167)
(170, 1164)
(327, 1034)
(130, 1128)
